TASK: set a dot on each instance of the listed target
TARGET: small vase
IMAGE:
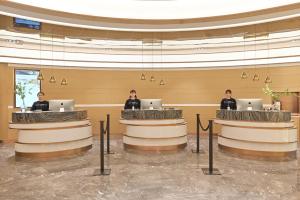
(277, 105)
(23, 107)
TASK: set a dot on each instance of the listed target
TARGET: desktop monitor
(56, 105)
(249, 104)
(151, 104)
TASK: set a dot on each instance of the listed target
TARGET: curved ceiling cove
(151, 15)
(273, 49)
(151, 9)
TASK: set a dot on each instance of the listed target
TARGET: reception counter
(260, 134)
(155, 130)
(51, 134)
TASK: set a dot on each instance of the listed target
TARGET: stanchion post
(102, 171)
(108, 151)
(197, 150)
(210, 164)
(210, 170)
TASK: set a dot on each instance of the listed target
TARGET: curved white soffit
(155, 9)
(92, 24)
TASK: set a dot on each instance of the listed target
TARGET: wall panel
(112, 87)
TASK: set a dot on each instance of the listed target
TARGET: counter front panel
(48, 116)
(151, 114)
(257, 116)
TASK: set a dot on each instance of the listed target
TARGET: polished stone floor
(147, 177)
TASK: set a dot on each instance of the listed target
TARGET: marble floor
(147, 177)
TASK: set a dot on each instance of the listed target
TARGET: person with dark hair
(228, 102)
(41, 104)
(133, 102)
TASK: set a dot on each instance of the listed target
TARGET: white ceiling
(156, 9)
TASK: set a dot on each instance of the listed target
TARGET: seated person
(133, 102)
(41, 104)
(228, 102)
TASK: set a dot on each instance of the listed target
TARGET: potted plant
(276, 96)
(21, 91)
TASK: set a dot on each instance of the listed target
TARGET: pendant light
(162, 82)
(40, 76)
(256, 76)
(268, 79)
(143, 76)
(152, 79)
(244, 74)
(52, 78)
(63, 81)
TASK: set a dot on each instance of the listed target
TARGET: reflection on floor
(147, 177)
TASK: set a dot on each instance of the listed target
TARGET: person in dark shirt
(41, 104)
(133, 102)
(228, 102)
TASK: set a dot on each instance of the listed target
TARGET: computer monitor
(151, 104)
(249, 104)
(57, 104)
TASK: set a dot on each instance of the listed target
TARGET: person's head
(40, 96)
(132, 94)
(228, 93)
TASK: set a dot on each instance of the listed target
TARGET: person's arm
(138, 104)
(222, 105)
(234, 105)
(47, 106)
(33, 107)
(126, 105)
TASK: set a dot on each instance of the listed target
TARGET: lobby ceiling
(153, 15)
(156, 9)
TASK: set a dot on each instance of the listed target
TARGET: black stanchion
(108, 151)
(102, 171)
(198, 125)
(210, 170)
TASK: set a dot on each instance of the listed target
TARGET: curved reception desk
(51, 134)
(269, 135)
(154, 130)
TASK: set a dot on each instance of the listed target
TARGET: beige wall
(6, 99)
(111, 87)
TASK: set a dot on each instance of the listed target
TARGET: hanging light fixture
(268, 80)
(64, 82)
(52, 78)
(244, 75)
(255, 77)
(40, 76)
(143, 76)
(152, 79)
(162, 82)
